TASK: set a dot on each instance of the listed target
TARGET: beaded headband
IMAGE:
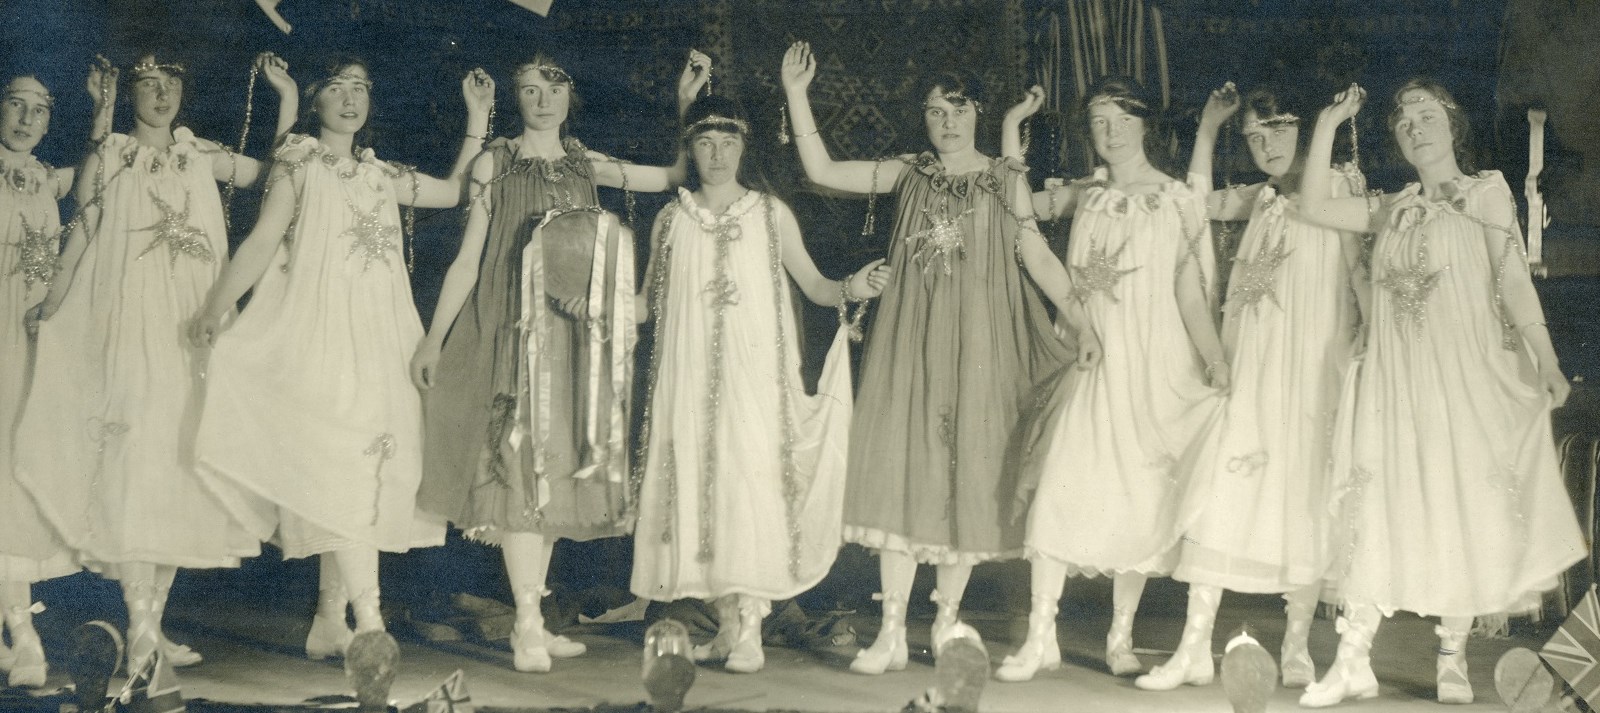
(550, 72)
(1123, 103)
(959, 99)
(1274, 121)
(712, 121)
(1424, 95)
(152, 66)
(45, 97)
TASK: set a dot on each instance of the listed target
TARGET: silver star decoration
(1098, 273)
(940, 241)
(1255, 279)
(1410, 288)
(371, 237)
(36, 259)
(175, 231)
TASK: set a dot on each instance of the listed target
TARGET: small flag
(153, 688)
(1574, 651)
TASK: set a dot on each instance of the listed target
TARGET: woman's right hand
(1031, 103)
(204, 328)
(424, 364)
(799, 67)
(1346, 104)
(1222, 104)
(1088, 350)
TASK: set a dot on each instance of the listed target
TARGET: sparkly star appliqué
(1098, 273)
(372, 238)
(174, 230)
(36, 259)
(1410, 288)
(1255, 279)
(942, 240)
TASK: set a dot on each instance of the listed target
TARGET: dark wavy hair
(1135, 99)
(332, 66)
(160, 55)
(1460, 127)
(951, 81)
(698, 121)
(541, 58)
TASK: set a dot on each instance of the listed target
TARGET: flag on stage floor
(1574, 651)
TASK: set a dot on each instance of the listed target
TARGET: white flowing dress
(311, 419)
(743, 489)
(1257, 505)
(106, 443)
(30, 237)
(1111, 460)
(1449, 480)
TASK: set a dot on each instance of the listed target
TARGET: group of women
(1369, 422)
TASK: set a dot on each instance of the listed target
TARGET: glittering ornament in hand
(371, 237)
(1100, 272)
(174, 231)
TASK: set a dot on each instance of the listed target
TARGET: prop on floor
(450, 697)
(1524, 682)
(668, 670)
(1249, 675)
(370, 665)
(152, 686)
(1574, 650)
(94, 653)
(962, 668)
(787, 626)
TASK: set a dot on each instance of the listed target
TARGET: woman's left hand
(696, 75)
(276, 70)
(1219, 374)
(477, 89)
(870, 281)
(1555, 384)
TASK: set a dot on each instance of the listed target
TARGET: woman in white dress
(1109, 454)
(30, 237)
(1256, 516)
(743, 480)
(1450, 489)
(105, 445)
(311, 425)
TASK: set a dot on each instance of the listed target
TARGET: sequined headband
(715, 119)
(345, 75)
(1425, 95)
(1274, 121)
(45, 97)
(550, 72)
(149, 66)
(959, 99)
(1123, 103)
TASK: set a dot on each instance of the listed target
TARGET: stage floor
(253, 657)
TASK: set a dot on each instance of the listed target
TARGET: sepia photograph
(822, 356)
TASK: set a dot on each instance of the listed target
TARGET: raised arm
(1520, 300)
(424, 191)
(1221, 106)
(243, 170)
(1317, 203)
(1011, 125)
(799, 68)
(612, 173)
(459, 279)
(252, 257)
(863, 284)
